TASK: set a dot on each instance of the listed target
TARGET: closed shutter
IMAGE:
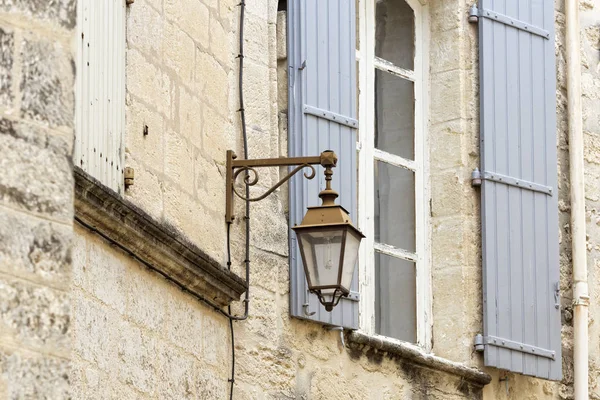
(519, 192)
(100, 102)
(322, 116)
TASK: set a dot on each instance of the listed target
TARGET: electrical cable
(232, 379)
(247, 216)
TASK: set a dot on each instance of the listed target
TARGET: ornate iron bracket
(235, 167)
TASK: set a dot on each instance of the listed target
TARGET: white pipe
(580, 285)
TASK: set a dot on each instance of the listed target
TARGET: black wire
(247, 216)
(232, 380)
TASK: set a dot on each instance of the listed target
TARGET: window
(100, 90)
(395, 278)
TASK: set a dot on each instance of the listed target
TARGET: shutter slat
(101, 76)
(519, 226)
(321, 49)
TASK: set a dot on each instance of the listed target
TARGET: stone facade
(128, 332)
(36, 197)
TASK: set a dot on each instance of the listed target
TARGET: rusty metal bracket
(235, 167)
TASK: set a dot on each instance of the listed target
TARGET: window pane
(396, 298)
(394, 206)
(395, 33)
(394, 115)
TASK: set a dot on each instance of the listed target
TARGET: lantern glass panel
(322, 251)
(353, 239)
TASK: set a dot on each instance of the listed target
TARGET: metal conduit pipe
(578, 227)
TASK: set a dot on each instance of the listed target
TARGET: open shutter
(519, 192)
(322, 116)
(100, 106)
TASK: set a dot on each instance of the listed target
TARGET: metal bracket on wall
(353, 296)
(515, 23)
(331, 116)
(477, 178)
(482, 341)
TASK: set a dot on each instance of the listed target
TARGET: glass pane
(396, 298)
(395, 33)
(394, 115)
(395, 206)
(322, 250)
(350, 257)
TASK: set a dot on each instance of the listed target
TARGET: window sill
(159, 246)
(358, 341)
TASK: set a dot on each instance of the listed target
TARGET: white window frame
(367, 62)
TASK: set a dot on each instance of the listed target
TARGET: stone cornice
(358, 340)
(156, 244)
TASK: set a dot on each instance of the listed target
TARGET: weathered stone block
(33, 377)
(210, 386)
(190, 116)
(36, 316)
(446, 194)
(148, 83)
(96, 332)
(194, 221)
(216, 134)
(144, 147)
(137, 358)
(105, 276)
(39, 252)
(446, 15)
(179, 161)
(192, 16)
(178, 51)
(60, 11)
(145, 297)
(175, 373)
(209, 184)
(256, 30)
(448, 242)
(184, 323)
(220, 42)
(445, 51)
(446, 95)
(47, 83)
(146, 193)
(37, 170)
(212, 80)
(7, 44)
(215, 336)
(257, 95)
(145, 29)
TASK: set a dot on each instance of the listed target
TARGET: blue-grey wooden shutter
(519, 192)
(322, 116)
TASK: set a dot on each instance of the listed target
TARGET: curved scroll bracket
(327, 159)
(254, 180)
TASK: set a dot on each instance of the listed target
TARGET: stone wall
(138, 336)
(135, 335)
(36, 201)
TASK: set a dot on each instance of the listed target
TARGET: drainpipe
(580, 285)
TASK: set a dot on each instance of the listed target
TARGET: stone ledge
(413, 355)
(153, 242)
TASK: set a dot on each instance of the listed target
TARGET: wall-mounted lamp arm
(327, 159)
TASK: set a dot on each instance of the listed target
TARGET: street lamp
(328, 241)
